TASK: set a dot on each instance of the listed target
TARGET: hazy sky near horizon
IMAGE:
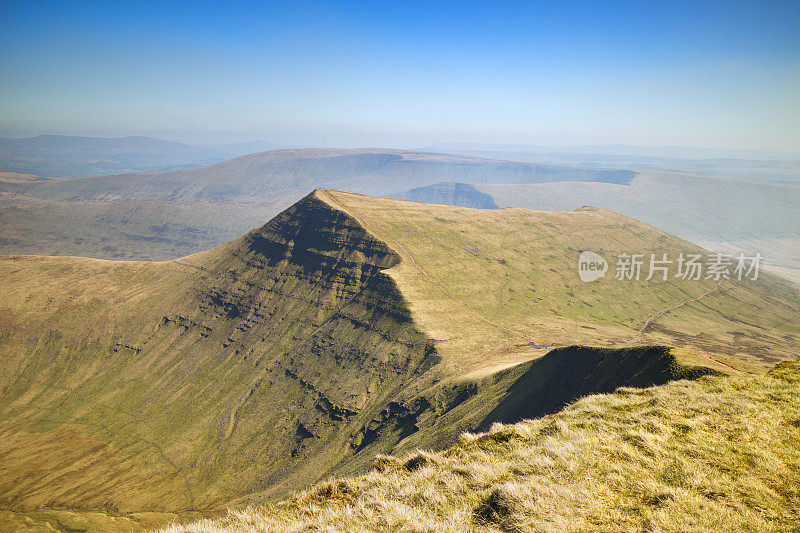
(694, 73)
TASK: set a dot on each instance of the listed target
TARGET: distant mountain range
(167, 214)
(750, 164)
(64, 156)
(668, 152)
(265, 175)
(163, 215)
(72, 156)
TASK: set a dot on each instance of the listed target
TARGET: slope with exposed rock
(291, 327)
(717, 454)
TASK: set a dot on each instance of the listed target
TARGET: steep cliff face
(325, 337)
(255, 368)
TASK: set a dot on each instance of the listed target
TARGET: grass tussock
(712, 454)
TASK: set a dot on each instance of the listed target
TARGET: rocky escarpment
(253, 370)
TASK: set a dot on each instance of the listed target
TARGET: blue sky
(406, 73)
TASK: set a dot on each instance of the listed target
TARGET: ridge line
(365, 222)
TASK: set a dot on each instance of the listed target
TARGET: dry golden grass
(719, 453)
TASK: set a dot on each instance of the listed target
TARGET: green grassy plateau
(346, 327)
(719, 214)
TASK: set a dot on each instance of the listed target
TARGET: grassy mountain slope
(706, 455)
(717, 213)
(167, 397)
(345, 327)
(509, 276)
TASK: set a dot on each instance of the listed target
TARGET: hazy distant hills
(167, 214)
(751, 164)
(666, 152)
(267, 175)
(693, 206)
(67, 156)
(144, 230)
(728, 215)
(163, 215)
(460, 194)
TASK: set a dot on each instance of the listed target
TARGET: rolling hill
(720, 214)
(346, 327)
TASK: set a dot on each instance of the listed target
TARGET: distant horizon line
(440, 145)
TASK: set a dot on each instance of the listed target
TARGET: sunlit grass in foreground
(711, 454)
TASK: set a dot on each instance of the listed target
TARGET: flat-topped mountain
(266, 176)
(345, 327)
(461, 194)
